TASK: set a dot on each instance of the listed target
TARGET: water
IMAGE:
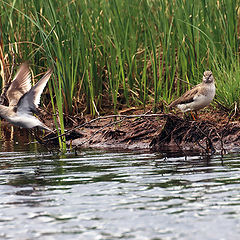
(116, 195)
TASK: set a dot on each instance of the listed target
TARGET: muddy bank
(157, 132)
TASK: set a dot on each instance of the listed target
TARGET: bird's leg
(194, 117)
(39, 140)
(189, 116)
(34, 133)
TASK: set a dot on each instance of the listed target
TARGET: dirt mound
(158, 132)
(203, 135)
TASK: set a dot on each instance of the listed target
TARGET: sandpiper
(199, 96)
(24, 99)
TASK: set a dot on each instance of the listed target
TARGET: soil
(211, 132)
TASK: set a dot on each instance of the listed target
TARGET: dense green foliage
(131, 52)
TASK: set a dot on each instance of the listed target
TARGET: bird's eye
(208, 76)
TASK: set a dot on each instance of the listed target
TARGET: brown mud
(210, 133)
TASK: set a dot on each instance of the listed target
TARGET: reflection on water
(115, 195)
(15, 139)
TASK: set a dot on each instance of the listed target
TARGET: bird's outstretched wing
(30, 100)
(20, 85)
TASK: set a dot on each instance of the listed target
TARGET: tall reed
(124, 53)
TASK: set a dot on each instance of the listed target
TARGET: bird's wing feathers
(20, 85)
(187, 97)
(30, 100)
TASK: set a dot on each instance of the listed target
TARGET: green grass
(123, 53)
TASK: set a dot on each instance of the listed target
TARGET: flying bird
(24, 99)
(199, 96)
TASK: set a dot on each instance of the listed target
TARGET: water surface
(116, 195)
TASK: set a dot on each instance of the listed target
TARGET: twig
(222, 133)
(209, 141)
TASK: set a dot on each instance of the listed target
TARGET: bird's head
(208, 77)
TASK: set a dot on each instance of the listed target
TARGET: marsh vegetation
(110, 55)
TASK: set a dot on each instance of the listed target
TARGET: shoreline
(211, 133)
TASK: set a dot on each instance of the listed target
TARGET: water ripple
(113, 195)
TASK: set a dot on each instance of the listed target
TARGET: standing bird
(199, 96)
(24, 99)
